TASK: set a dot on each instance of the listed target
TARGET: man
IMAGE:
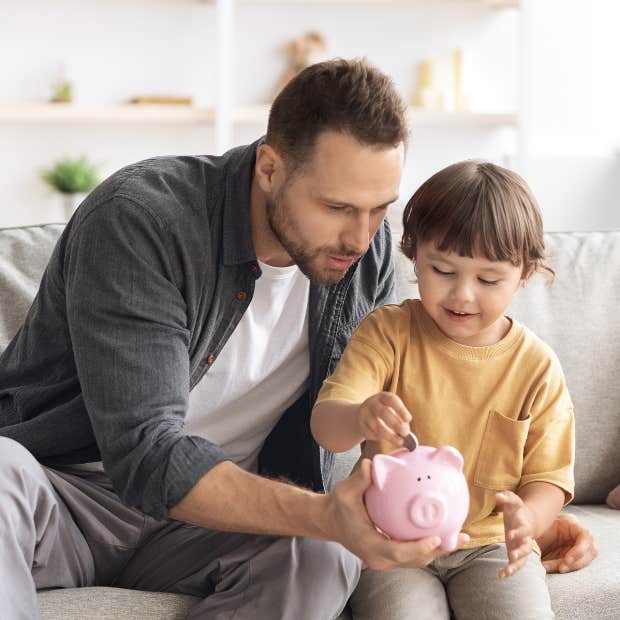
(183, 327)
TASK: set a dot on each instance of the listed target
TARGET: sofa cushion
(24, 253)
(112, 604)
(594, 591)
(117, 604)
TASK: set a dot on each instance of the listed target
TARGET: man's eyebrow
(339, 203)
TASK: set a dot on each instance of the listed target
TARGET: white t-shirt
(261, 371)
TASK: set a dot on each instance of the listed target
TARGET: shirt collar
(238, 246)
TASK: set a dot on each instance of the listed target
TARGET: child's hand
(519, 531)
(384, 416)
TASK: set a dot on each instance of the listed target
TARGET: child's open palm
(518, 529)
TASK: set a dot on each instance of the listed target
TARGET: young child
(453, 368)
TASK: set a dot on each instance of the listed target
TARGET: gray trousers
(64, 528)
(462, 585)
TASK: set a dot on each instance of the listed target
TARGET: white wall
(118, 48)
(570, 106)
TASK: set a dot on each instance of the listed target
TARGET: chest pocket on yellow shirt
(500, 460)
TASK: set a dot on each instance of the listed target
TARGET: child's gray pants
(462, 585)
(62, 530)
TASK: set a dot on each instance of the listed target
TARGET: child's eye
(442, 273)
(488, 282)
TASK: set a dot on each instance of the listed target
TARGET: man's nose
(357, 236)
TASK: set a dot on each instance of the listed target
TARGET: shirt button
(210, 359)
(254, 269)
(241, 295)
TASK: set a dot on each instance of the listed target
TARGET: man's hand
(567, 545)
(383, 416)
(351, 527)
(518, 529)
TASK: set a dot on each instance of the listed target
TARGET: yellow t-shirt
(505, 407)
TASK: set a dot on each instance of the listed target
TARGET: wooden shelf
(122, 113)
(495, 4)
(417, 117)
(51, 113)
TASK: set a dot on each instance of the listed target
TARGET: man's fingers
(362, 477)
(552, 566)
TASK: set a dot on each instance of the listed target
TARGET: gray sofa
(579, 316)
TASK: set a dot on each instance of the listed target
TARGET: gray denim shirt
(142, 291)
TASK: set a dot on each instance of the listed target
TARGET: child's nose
(463, 291)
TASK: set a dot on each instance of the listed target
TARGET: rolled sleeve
(127, 321)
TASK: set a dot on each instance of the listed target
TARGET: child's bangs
(481, 231)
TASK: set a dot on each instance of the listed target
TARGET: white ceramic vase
(71, 202)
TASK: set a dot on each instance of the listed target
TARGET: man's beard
(286, 232)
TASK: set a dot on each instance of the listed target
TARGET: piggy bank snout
(427, 510)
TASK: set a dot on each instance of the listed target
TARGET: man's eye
(442, 273)
(339, 208)
(488, 282)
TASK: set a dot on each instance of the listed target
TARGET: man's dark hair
(349, 96)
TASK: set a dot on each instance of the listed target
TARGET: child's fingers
(383, 431)
(512, 567)
(394, 421)
(517, 533)
(398, 407)
(522, 549)
(375, 428)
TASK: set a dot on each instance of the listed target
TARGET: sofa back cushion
(24, 253)
(578, 315)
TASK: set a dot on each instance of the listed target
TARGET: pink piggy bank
(418, 494)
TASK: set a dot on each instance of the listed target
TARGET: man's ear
(269, 167)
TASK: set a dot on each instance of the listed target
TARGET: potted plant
(73, 179)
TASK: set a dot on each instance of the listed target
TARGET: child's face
(466, 297)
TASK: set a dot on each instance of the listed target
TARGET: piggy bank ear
(382, 466)
(448, 455)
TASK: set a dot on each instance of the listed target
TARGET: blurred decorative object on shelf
(73, 179)
(302, 52)
(461, 99)
(161, 100)
(62, 88)
(427, 94)
(442, 83)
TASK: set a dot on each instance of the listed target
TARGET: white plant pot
(71, 202)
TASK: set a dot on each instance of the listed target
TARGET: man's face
(325, 216)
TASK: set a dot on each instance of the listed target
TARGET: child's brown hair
(477, 207)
